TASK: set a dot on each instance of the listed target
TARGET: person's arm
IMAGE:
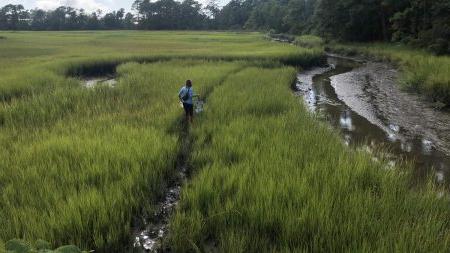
(179, 95)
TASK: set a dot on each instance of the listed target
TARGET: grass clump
(422, 71)
(309, 41)
(273, 179)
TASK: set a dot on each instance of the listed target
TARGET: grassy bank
(271, 178)
(421, 71)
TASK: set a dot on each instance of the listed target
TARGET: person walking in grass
(186, 96)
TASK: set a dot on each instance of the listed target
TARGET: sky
(88, 5)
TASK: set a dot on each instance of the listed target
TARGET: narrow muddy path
(364, 101)
(150, 231)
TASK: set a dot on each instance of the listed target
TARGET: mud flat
(364, 101)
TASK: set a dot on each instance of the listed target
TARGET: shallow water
(364, 101)
(149, 235)
(95, 81)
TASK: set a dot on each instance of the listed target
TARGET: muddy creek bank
(364, 101)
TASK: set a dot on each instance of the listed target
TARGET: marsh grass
(421, 71)
(271, 178)
(33, 62)
(77, 163)
(309, 41)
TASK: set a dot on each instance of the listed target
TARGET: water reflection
(427, 146)
(346, 120)
(392, 137)
(93, 82)
(440, 176)
(406, 146)
(347, 139)
(394, 128)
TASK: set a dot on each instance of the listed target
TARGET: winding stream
(363, 100)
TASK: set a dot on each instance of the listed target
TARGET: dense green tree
(72, 21)
(114, 20)
(128, 22)
(93, 22)
(355, 20)
(170, 14)
(299, 15)
(211, 11)
(191, 15)
(235, 14)
(38, 19)
(424, 23)
(13, 17)
(57, 18)
(268, 15)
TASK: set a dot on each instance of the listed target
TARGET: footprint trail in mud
(150, 234)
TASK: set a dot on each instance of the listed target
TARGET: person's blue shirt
(183, 92)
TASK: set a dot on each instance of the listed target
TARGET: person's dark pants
(189, 109)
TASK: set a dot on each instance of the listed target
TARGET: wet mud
(364, 101)
(151, 231)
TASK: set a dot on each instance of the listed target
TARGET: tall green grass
(309, 41)
(77, 164)
(271, 178)
(421, 71)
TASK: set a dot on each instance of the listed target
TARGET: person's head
(189, 83)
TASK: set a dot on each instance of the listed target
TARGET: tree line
(422, 23)
(16, 17)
